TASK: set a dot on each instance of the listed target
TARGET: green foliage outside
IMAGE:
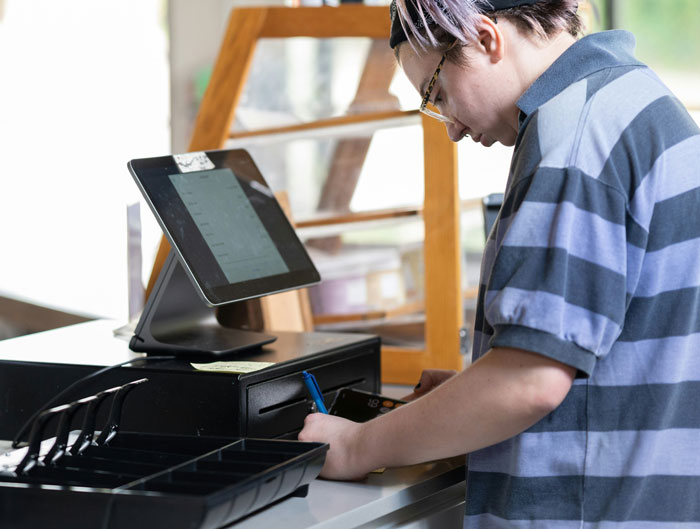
(667, 31)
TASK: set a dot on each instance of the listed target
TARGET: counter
(429, 495)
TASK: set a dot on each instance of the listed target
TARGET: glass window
(667, 37)
(85, 88)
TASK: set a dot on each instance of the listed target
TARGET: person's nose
(454, 131)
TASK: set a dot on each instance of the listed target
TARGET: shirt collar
(586, 56)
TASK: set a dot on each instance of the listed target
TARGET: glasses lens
(436, 115)
(426, 98)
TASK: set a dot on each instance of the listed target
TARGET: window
(85, 88)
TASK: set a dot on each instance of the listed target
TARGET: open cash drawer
(142, 480)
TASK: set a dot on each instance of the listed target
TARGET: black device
(491, 207)
(141, 480)
(269, 403)
(181, 400)
(230, 241)
(361, 406)
(132, 480)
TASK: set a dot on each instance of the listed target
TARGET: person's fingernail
(417, 386)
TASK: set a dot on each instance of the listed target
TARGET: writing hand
(345, 460)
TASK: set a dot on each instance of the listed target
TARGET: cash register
(230, 241)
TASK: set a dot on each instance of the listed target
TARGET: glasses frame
(426, 98)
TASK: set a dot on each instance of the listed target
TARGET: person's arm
(503, 393)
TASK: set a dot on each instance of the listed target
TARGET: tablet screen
(225, 224)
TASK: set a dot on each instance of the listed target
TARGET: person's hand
(345, 459)
(429, 380)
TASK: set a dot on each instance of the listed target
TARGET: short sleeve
(557, 282)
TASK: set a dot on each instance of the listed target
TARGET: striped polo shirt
(594, 261)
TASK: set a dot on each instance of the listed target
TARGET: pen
(315, 391)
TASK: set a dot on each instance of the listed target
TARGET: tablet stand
(176, 320)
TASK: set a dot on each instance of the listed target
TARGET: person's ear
(490, 38)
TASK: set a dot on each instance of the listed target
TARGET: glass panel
(369, 168)
(372, 270)
(373, 281)
(299, 80)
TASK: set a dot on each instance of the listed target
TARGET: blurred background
(88, 85)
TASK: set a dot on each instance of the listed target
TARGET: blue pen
(315, 391)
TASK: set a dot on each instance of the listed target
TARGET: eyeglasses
(426, 98)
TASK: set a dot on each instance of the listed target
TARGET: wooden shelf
(470, 293)
(326, 219)
(441, 206)
(340, 121)
(407, 308)
(357, 216)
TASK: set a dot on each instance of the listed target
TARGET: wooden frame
(443, 297)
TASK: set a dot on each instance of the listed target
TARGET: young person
(580, 407)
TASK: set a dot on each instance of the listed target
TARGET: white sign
(193, 161)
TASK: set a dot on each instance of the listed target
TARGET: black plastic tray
(145, 481)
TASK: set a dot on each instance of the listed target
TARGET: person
(579, 408)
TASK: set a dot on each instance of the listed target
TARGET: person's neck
(532, 56)
(547, 53)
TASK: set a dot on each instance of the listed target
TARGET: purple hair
(439, 23)
(456, 18)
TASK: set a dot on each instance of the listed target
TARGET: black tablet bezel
(152, 178)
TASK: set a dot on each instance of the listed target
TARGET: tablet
(224, 223)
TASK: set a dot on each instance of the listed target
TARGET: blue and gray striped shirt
(595, 261)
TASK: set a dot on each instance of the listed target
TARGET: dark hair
(544, 19)
(447, 26)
